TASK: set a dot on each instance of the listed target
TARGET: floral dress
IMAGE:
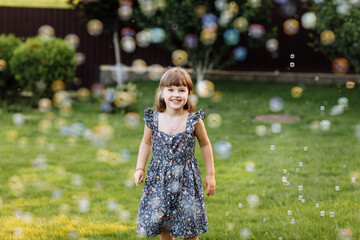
(172, 194)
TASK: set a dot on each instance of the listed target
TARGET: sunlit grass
(47, 204)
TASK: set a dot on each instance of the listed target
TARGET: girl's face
(175, 97)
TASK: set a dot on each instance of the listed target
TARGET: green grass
(332, 160)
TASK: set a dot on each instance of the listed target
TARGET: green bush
(8, 43)
(342, 18)
(39, 62)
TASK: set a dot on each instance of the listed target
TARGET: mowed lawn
(300, 183)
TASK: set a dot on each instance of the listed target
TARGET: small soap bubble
(250, 166)
(300, 188)
(129, 183)
(230, 226)
(301, 164)
(260, 130)
(240, 205)
(280, 238)
(292, 221)
(57, 193)
(253, 200)
(353, 179)
(76, 180)
(227, 214)
(300, 197)
(332, 214)
(272, 147)
(317, 205)
(284, 170)
(124, 215)
(337, 188)
(245, 233)
(322, 108)
(84, 204)
(292, 56)
(264, 219)
(276, 127)
(292, 64)
(284, 179)
(322, 213)
(297, 169)
(317, 78)
(305, 149)
(302, 200)
(289, 212)
(112, 205)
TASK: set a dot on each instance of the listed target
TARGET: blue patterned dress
(172, 193)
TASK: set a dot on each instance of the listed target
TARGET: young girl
(172, 202)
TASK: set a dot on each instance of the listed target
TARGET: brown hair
(176, 76)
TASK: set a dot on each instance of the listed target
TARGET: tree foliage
(343, 19)
(179, 18)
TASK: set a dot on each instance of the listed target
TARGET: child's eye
(170, 89)
(182, 90)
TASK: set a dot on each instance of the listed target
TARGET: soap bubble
(125, 12)
(72, 39)
(343, 101)
(253, 200)
(222, 149)
(179, 57)
(214, 120)
(345, 234)
(143, 38)
(240, 53)
(200, 10)
(207, 36)
(272, 45)
(84, 204)
(241, 24)
(250, 166)
(18, 119)
(337, 110)
(276, 104)
(16, 185)
(139, 66)
(94, 27)
(276, 128)
(2, 65)
(79, 58)
(350, 84)
(128, 44)
(157, 35)
(83, 94)
(39, 162)
(205, 88)
(209, 21)
(57, 85)
(245, 233)
(155, 71)
(340, 66)
(327, 37)
(256, 31)
(127, 32)
(77, 180)
(231, 37)
(296, 92)
(132, 120)
(291, 27)
(46, 31)
(44, 105)
(308, 20)
(97, 89)
(325, 125)
(260, 130)
(191, 40)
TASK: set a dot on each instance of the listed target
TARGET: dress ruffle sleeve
(196, 118)
(149, 118)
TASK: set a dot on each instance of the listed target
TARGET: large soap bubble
(308, 20)
(222, 149)
(94, 27)
(276, 104)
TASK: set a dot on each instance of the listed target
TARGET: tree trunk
(117, 58)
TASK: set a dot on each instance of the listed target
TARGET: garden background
(69, 140)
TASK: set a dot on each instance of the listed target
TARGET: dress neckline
(186, 124)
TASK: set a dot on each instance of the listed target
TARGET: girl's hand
(139, 177)
(210, 182)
